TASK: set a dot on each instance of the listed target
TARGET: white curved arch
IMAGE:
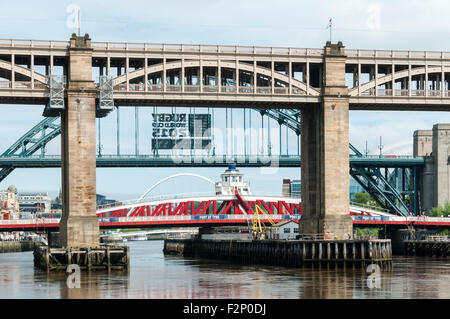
(398, 75)
(230, 65)
(26, 72)
(173, 176)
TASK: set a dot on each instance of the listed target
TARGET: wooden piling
(281, 253)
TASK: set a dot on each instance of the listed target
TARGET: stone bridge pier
(325, 154)
(79, 224)
(79, 233)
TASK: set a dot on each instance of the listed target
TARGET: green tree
(58, 198)
(362, 198)
(441, 211)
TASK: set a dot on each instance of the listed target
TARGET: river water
(154, 275)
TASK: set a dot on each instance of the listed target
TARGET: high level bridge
(273, 77)
(324, 84)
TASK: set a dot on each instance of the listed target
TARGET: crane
(258, 230)
(257, 227)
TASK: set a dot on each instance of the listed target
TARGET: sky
(401, 25)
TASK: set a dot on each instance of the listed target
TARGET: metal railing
(232, 49)
(140, 87)
(397, 54)
(383, 156)
(23, 85)
(191, 48)
(438, 238)
(367, 206)
(17, 43)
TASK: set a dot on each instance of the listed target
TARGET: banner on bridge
(181, 131)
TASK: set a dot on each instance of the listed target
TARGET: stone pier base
(331, 227)
(99, 258)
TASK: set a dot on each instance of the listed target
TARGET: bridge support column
(325, 155)
(79, 224)
(441, 153)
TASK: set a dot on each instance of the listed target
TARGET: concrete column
(393, 80)
(272, 81)
(127, 71)
(306, 75)
(376, 79)
(442, 82)
(13, 71)
(108, 66)
(79, 223)
(163, 77)
(325, 154)
(237, 76)
(219, 76)
(290, 77)
(200, 74)
(409, 80)
(255, 77)
(145, 74)
(359, 79)
(182, 75)
(32, 71)
(441, 154)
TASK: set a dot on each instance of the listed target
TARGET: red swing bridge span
(215, 210)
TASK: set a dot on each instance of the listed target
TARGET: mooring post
(336, 251)
(345, 251)
(313, 251)
(363, 253)
(328, 251)
(47, 259)
(108, 258)
(320, 251)
(69, 255)
(88, 258)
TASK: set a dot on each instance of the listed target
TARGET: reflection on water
(153, 275)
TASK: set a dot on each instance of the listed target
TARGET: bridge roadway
(206, 161)
(52, 224)
(201, 211)
(274, 77)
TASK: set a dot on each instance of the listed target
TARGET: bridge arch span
(396, 76)
(229, 65)
(6, 67)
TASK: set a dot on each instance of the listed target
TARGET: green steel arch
(32, 141)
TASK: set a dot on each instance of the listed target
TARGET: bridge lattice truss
(177, 74)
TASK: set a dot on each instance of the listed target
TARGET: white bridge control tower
(230, 180)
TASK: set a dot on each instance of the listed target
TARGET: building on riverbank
(285, 230)
(35, 202)
(9, 203)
